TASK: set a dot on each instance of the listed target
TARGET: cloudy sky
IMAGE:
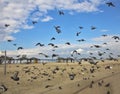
(20, 15)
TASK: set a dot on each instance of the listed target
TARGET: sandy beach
(62, 78)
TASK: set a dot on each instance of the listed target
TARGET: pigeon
(105, 43)
(3, 87)
(9, 40)
(77, 34)
(54, 55)
(68, 43)
(53, 38)
(18, 56)
(34, 22)
(47, 86)
(57, 28)
(80, 40)
(108, 92)
(39, 44)
(7, 25)
(107, 85)
(80, 27)
(51, 44)
(19, 48)
(75, 51)
(61, 12)
(43, 55)
(110, 4)
(97, 46)
(72, 76)
(93, 27)
(116, 37)
(15, 44)
(15, 76)
(55, 46)
(104, 35)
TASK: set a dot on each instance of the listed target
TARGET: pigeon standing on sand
(71, 76)
(15, 76)
(3, 87)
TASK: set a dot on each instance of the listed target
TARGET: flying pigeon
(57, 28)
(19, 48)
(6, 25)
(110, 4)
(97, 46)
(80, 27)
(104, 35)
(15, 44)
(68, 43)
(53, 38)
(77, 34)
(93, 27)
(61, 12)
(34, 22)
(9, 40)
(51, 44)
(80, 40)
(39, 44)
(54, 55)
(116, 37)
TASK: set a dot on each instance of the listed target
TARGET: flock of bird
(50, 74)
(58, 30)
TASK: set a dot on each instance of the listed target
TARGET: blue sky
(19, 14)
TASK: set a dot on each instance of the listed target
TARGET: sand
(53, 78)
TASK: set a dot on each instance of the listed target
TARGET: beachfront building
(65, 60)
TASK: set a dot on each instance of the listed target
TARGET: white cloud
(28, 27)
(79, 50)
(107, 38)
(46, 19)
(104, 30)
(9, 38)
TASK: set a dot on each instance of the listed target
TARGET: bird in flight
(15, 44)
(19, 48)
(34, 22)
(116, 37)
(110, 4)
(68, 43)
(97, 46)
(93, 27)
(81, 40)
(104, 35)
(57, 28)
(51, 44)
(80, 27)
(56, 46)
(73, 52)
(61, 12)
(43, 55)
(53, 38)
(39, 44)
(6, 25)
(54, 55)
(9, 40)
(78, 33)
(18, 56)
